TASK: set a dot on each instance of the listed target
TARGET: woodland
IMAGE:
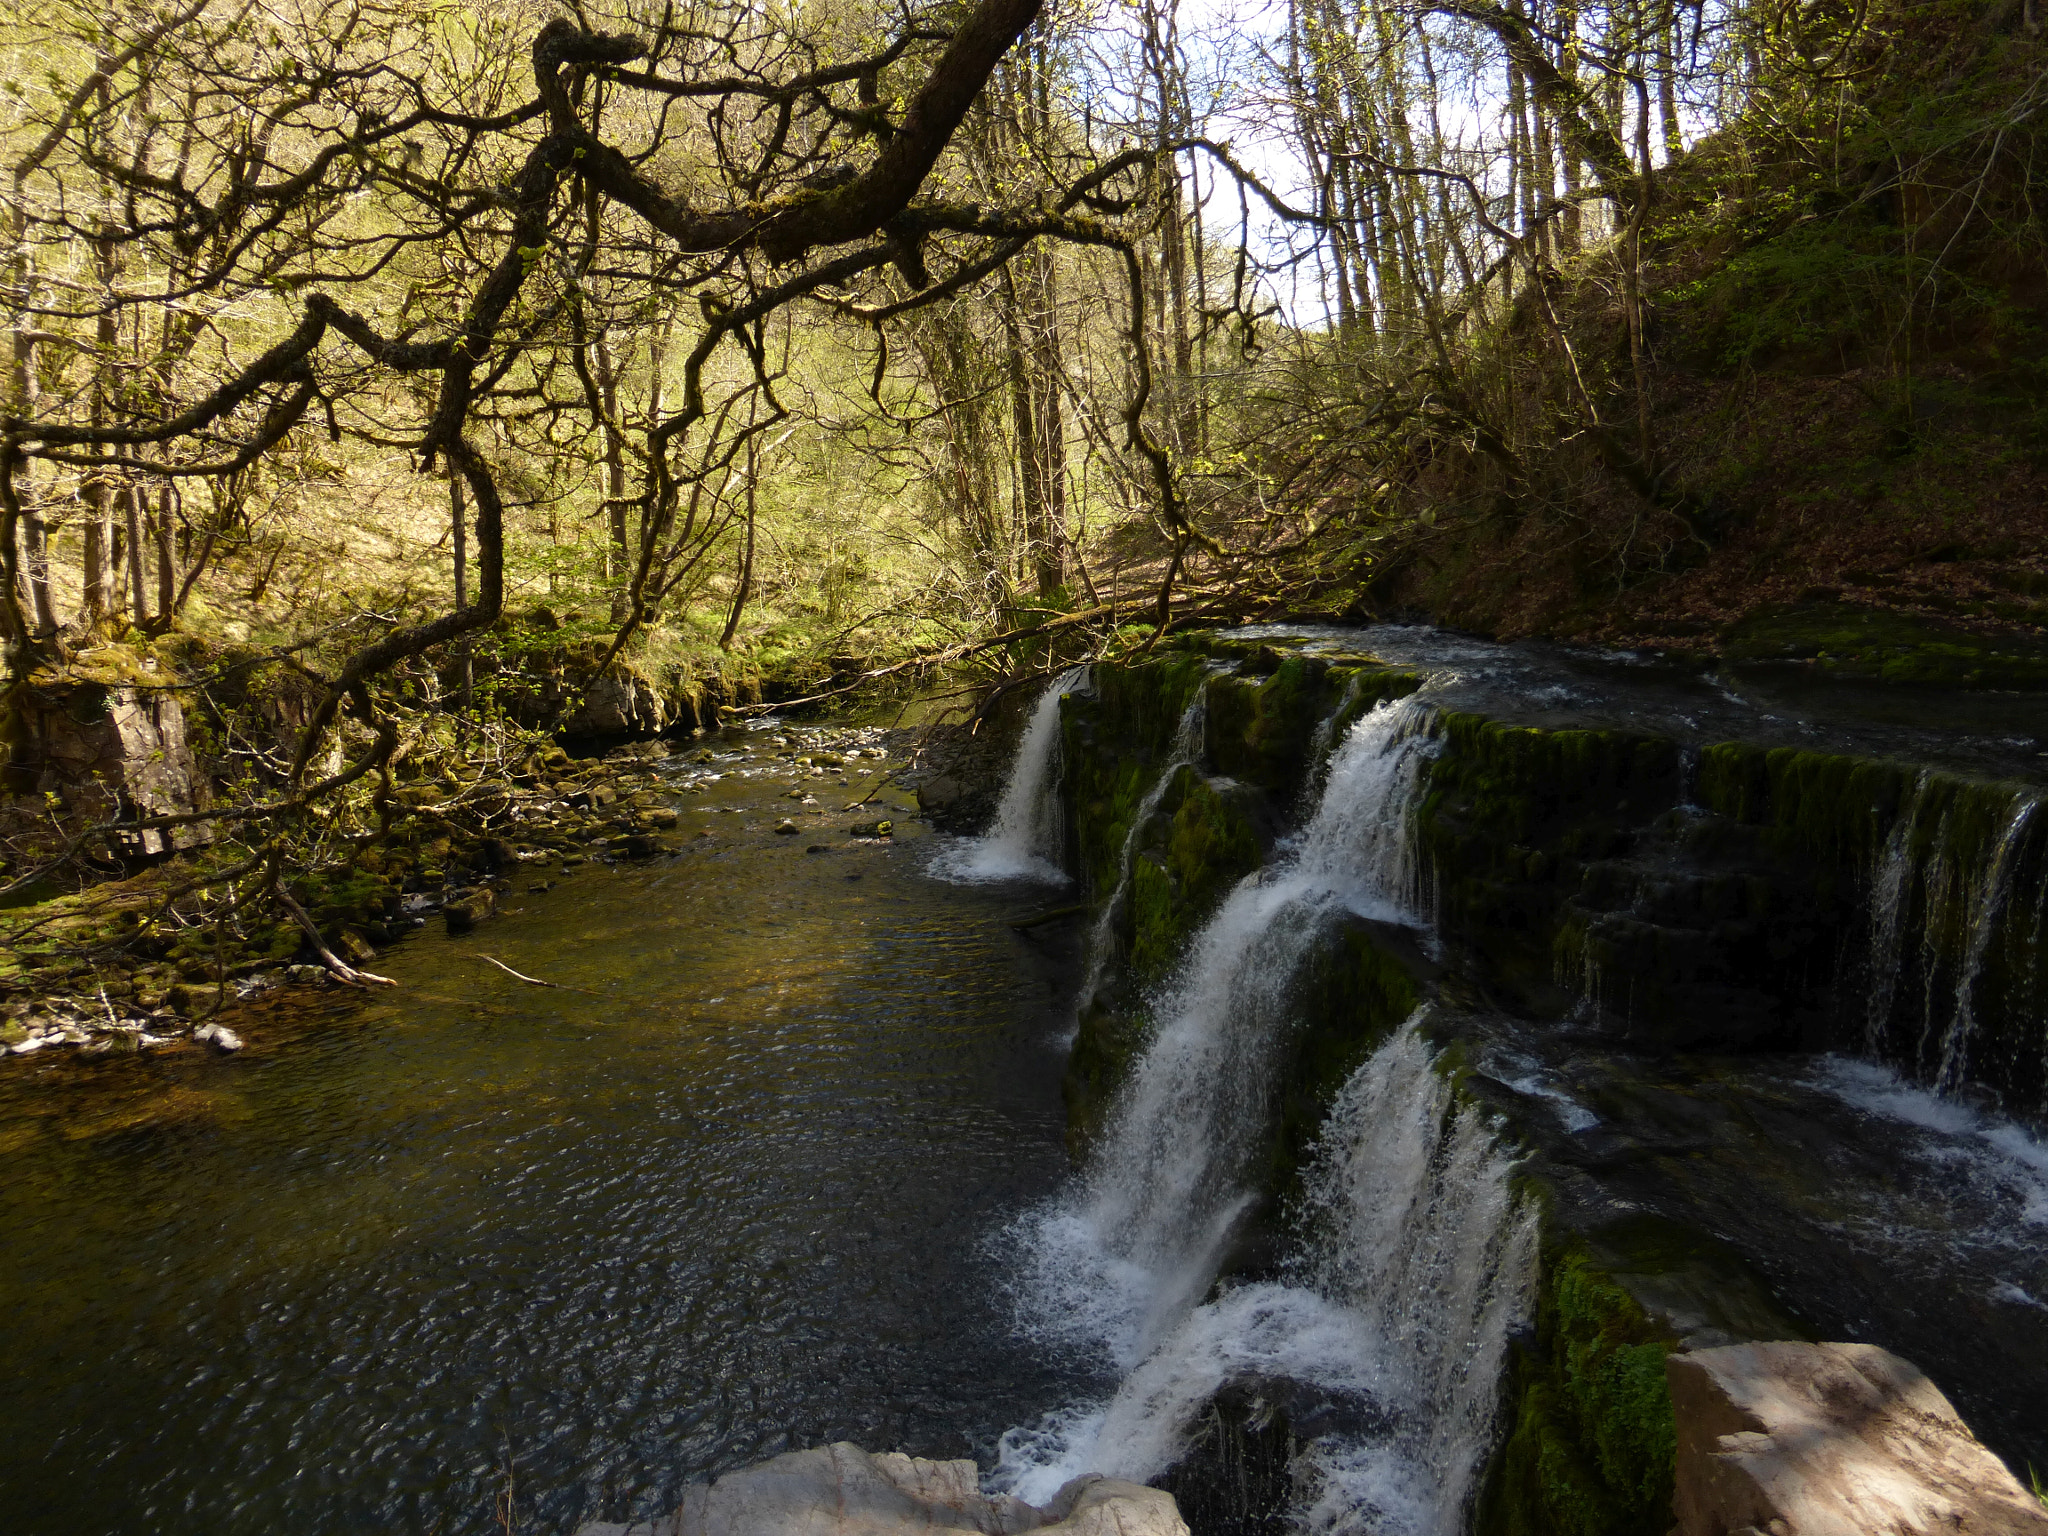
(386, 376)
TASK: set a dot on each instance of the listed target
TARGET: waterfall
(1415, 1268)
(1414, 1226)
(1187, 748)
(1023, 841)
(1887, 914)
(1409, 1278)
(1159, 1204)
(1938, 911)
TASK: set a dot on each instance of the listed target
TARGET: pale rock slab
(841, 1490)
(1790, 1439)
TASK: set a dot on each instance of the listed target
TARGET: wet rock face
(841, 1490)
(1831, 1440)
(111, 750)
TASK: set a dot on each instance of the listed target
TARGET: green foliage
(1591, 1443)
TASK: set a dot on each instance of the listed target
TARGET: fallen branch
(535, 981)
(1025, 923)
(340, 967)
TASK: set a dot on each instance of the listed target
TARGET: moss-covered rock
(1590, 1439)
(1510, 819)
(1850, 640)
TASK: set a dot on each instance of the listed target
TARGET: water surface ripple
(730, 1198)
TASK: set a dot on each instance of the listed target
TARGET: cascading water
(1158, 1207)
(1415, 1268)
(1023, 841)
(1414, 1226)
(1123, 1266)
(1187, 747)
(1940, 911)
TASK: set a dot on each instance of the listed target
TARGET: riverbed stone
(1831, 1440)
(465, 910)
(841, 1490)
(219, 1036)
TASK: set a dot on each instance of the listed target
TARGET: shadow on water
(728, 1198)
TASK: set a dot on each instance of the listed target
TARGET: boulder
(107, 746)
(219, 1036)
(1797, 1439)
(841, 1490)
(940, 793)
(619, 703)
(466, 909)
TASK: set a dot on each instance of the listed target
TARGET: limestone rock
(219, 1036)
(109, 749)
(940, 793)
(1831, 1440)
(617, 704)
(841, 1490)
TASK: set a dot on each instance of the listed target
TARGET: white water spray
(1023, 841)
(1920, 873)
(1416, 1262)
(1157, 1209)
(1416, 1268)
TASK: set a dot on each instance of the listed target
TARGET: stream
(781, 1163)
(732, 1197)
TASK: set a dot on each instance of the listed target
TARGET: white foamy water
(1415, 1263)
(1998, 1155)
(1119, 1266)
(1023, 841)
(1416, 1266)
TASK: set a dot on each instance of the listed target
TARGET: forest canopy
(372, 338)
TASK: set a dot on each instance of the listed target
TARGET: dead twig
(534, 981)
(328, 957)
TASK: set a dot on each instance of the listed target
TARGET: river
(734, 1195)
(779, 1162)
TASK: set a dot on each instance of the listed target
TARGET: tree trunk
(459, 527)
(745, 588)
(166, 557)
(138, 582)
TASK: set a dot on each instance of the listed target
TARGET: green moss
(1115, 739)
(1354, 994)
(1591, 1441)
(1884, 644)
(1510, 818)
(1821, 805)
(1208, 844)
(1266, 729)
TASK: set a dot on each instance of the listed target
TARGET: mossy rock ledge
(1605, 886)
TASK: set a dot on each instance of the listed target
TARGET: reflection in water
(727, 1200)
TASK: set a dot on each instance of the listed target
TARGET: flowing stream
(729, 1198)
(1412, 1261)
(783, 1165)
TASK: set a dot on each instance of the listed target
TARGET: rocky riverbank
(140, 964)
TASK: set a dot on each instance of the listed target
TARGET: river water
(781, 1164)
(732, 1197)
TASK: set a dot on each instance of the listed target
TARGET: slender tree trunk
(618, 558)
(166, 557)
(138, 583)
(1667, 79)
(744, 589)
(1570, 231)
(459, 529)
